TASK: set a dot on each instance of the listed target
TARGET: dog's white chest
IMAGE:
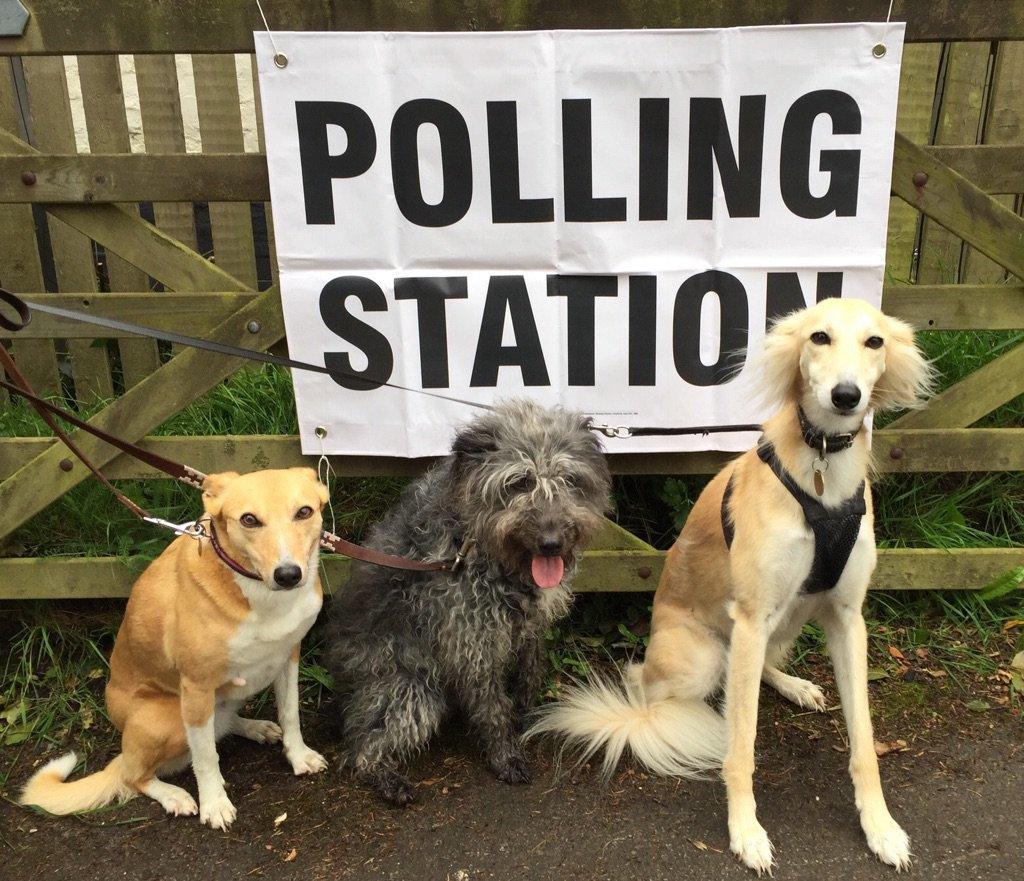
(262, 644)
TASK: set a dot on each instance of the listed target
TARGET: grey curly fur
(403, 646)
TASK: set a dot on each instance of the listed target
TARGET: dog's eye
(820, 338)
(874, 342)
(250, 521)
(522, 484)
(572, 480)
(304, 513)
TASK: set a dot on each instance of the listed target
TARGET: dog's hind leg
(387, 720)
(154, 742)
(801, 692)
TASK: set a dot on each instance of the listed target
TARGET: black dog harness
(835, 529)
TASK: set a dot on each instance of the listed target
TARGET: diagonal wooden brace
(140, 243)
(954, 202)
(144, 407)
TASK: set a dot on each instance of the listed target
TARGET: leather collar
(226, 559)
(819, 441)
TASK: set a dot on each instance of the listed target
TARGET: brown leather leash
(184, 473)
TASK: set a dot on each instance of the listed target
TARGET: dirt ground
(957, 785)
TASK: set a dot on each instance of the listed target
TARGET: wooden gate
(958, 175)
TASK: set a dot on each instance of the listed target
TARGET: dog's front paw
(260, 730)
(887, 840)
(512, 769)
(750, 843)
(306, 761)
(217, 812)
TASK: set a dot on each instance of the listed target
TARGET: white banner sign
(602, 219)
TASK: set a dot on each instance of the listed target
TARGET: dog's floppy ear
(779, 363)
(314, 478)
(213, 487)
(472, 444)
(908, 378)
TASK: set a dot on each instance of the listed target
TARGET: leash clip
(460, 557)
(193, 529)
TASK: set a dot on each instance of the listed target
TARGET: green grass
(53, 656)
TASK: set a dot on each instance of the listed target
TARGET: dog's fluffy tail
(48, 789)
(671, 737)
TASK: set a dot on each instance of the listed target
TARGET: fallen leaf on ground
(883, 749)
(896, 653)
(292, 854)
(1018, 661)
(978, 706)
(280, 819)
(700, 845)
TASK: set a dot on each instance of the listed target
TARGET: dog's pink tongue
(547, 571)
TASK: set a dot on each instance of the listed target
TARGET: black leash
(24, 307)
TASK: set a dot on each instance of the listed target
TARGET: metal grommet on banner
(878, 50)
(280, 59)
(320, 432)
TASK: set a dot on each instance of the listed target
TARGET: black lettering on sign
(456, 163)
(643, 329)
(334, 312)
(507, 205)
(319, 167)
(508, 295)
(710, 144)
(784, 294)
(430, 295)
(686, 327)
(843, 166)
(578, 168)
(580, 291)
(654, 158)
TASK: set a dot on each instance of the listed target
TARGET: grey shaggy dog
(523, 490)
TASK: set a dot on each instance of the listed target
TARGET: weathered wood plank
(140, 243)
(103, 102)
(99, 26)
(54, 131)
(913, 120)
(220, 127)
(1005, 125)
(963, 404)
(160, 105)
(20, 267)
(962, 93)
(958, 205)
(919, 451)
(602, 571)
(242, 177)
(194, 314)
(141, 409)
(995, 168)
(957, 307)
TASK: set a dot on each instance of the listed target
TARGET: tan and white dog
(744, 576)
(198, 640)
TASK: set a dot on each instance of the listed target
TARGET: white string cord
(280, 59)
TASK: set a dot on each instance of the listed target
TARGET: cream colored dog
(732, 604)
(198, 640)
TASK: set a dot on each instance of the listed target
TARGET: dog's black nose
(288, 575)
(845, 396)
(550, 545)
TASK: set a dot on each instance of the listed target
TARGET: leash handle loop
(19, 306)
